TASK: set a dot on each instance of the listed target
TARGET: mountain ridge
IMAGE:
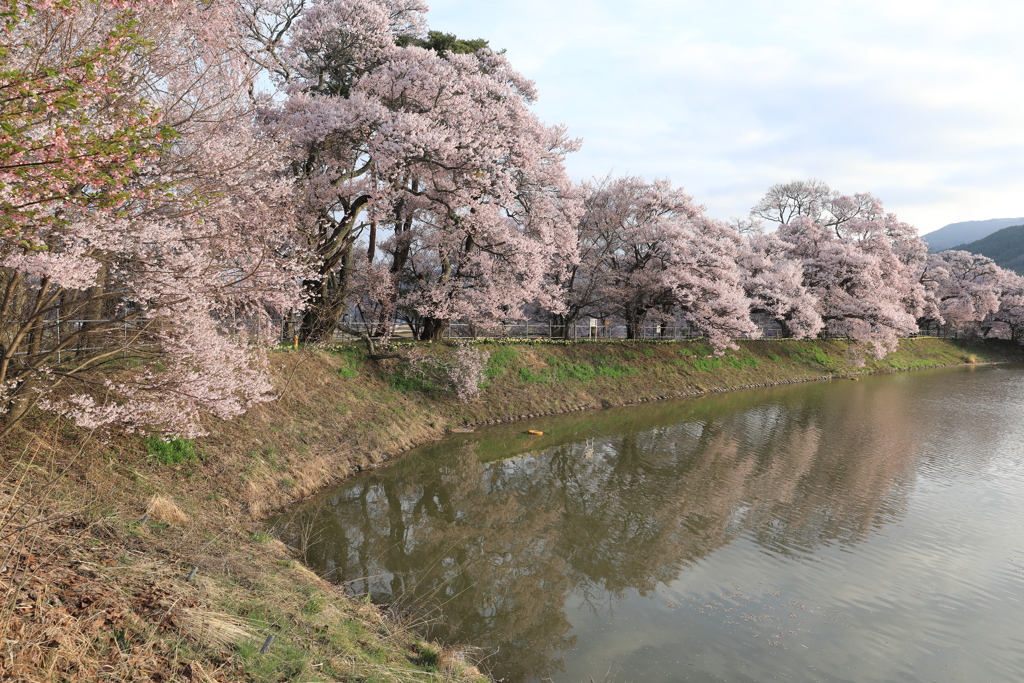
(966, 232)
(1005, 247)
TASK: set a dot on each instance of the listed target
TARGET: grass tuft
(580, 372)
(529, 376)
(173, 452)
(615, 370)
(707, 364)
(164, 509)
(500, 361)
(212, 629)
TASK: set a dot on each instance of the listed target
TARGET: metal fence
(581, 330)
(534, 329)
(54, 334)
(529, 329)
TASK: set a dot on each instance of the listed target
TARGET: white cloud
(917, 102)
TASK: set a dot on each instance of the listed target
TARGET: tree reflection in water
(496, 538)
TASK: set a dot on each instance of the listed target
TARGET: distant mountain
(1005, 247)
(966, 231)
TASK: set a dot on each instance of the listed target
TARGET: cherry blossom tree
(439, 149)
(861, 265)
(70, 136)
(785, 202)
(461, 374)
(709, 282)
(150, 252)
(647, 249)
(1010, 314)
(583, 283)
(963, 289)
(774, 283)
(634, 232)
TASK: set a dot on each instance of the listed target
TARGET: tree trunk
(327, 302)
(91, 311)
(635, 317)
(402, 252)
(634, 323)
(561, 326)
(17, 405)
(389, 305)
(433, 329)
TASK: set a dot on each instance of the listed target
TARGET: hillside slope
(1005, 247)
(127, 559)
(966, 231)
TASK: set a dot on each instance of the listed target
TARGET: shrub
(461, 375)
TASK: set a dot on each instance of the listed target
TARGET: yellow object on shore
(534, 432)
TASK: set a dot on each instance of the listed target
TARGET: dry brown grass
(90, 591)
(163, 509)
(212, 629)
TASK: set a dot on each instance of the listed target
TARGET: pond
(836, 531)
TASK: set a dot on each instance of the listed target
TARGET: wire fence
(521, 329)
(581, 330)
(66, 338)
(74, 336)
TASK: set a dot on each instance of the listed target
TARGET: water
(841, 531)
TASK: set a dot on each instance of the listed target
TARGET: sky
(920, 103)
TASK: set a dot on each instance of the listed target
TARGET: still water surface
(842, 531)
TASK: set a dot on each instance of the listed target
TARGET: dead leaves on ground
(73, 609)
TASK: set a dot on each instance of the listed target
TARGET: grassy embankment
(101, 590)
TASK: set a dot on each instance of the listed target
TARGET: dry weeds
(163, 509)
(215, 629)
